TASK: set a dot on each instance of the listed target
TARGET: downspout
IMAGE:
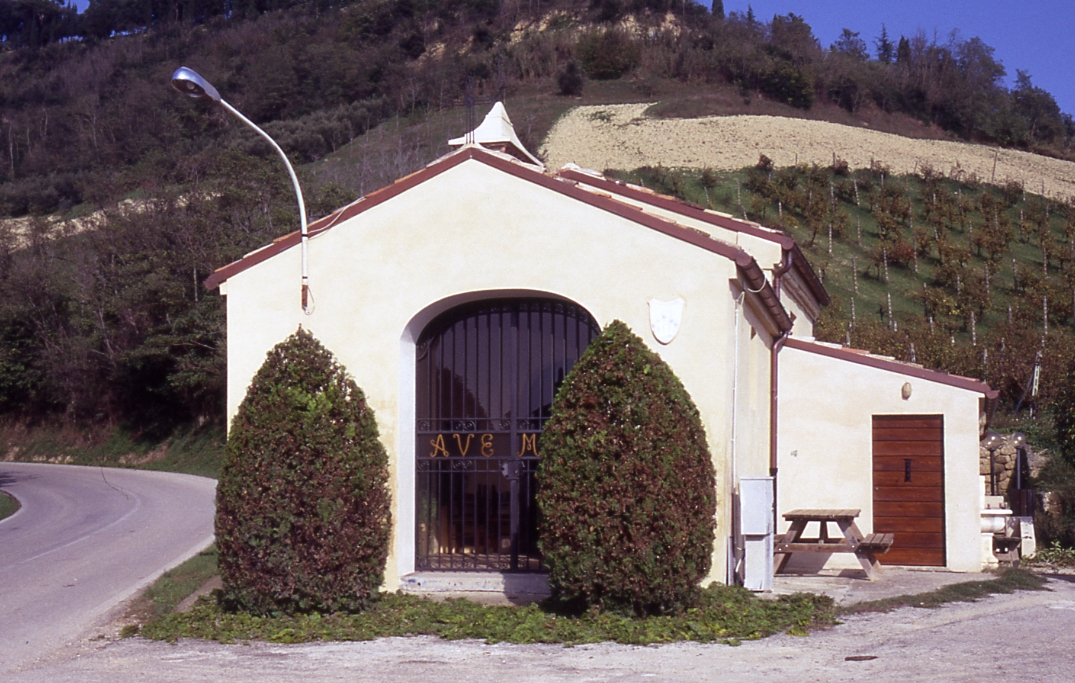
(778, 273)
(736, 552)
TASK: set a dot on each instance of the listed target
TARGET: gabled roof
(891, 365)
(747, 266)
(641, 194)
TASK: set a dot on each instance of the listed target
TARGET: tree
(34, 23)
(851, 45)
(903, 52)
(1064, 414)
(303, 521)
(1038, 108)
(886, 51)
(627, 485)
(608, 55)
(792, 39)
(570, 80)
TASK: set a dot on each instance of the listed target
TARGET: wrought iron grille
(486, 377)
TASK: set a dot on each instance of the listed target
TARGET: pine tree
(903, 52)
(886, 51)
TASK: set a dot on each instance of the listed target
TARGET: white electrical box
(1028, 545)
(756, 525)
(756, 506)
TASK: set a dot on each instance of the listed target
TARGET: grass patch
(1051, 557)
(176, 584)
(8, 505)
(1009, 581)
(725, 615)
(172, 588)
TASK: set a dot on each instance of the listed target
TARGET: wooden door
(908, 487)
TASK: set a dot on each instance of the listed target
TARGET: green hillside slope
(947, 272)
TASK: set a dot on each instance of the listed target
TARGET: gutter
(758, 284)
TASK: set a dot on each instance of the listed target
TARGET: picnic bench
(865, 547)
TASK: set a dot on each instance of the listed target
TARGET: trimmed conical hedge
(303, 503)
(627, 492)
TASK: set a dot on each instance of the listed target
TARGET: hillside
(954, 274)
(111, 325)
(626, 136)
(89, 118)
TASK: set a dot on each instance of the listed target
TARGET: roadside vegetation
(1008, 581)
(1052, 558)
(8, 505)
(724, 614)
(172, 588)
(191, 450)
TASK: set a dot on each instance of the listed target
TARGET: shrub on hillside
(607, 55)
(303, 504)
(1064, 414)
(570, 79)
(627, 486)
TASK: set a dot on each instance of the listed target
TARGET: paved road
(85, 540)
(1026, 636)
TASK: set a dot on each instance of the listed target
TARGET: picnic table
(851, 540)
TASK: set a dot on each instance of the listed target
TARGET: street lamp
(992, 442)
(190, 83)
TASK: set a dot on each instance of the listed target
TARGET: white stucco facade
(479, 225)
(470, 233)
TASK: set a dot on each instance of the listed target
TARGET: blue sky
(1037, 36)
(1034, 35)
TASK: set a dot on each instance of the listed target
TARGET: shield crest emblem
(665, 317)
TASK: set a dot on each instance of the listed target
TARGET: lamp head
(991, 440)
(190, 83)
(1018, 439)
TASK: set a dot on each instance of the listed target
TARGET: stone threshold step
(476, 582)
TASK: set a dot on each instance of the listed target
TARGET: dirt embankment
(623, 137)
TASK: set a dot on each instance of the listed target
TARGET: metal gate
(486, 377)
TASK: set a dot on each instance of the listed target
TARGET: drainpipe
(735, 552)
(778, 273)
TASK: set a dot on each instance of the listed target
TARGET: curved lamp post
(190, 83)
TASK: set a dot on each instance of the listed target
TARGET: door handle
(906, 469)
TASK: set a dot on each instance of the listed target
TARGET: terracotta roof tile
(891, 365)
(723, 220)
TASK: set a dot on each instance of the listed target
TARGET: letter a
(438, 447)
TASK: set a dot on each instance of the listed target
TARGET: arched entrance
(486, 376)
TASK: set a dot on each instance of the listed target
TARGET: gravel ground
(1026, 636)
(622, 137)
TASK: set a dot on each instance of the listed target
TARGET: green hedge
(627, 492)
(303, 520)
